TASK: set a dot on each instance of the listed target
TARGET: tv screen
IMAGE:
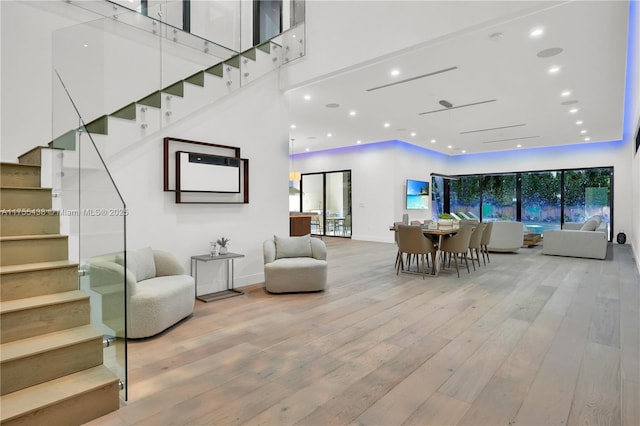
(417, 195)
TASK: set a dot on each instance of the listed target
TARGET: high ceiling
(490, 89)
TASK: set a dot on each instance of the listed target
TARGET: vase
(213, 249)
(224, 250)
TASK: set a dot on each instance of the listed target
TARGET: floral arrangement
(223, 241)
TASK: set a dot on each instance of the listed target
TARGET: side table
(230, 291)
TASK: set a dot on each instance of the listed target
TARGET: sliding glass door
(327, 197)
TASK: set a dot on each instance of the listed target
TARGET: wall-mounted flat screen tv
(417, 195)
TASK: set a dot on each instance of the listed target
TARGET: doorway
(327, 197)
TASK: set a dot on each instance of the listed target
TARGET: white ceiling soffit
(496, 80)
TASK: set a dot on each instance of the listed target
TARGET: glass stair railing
(126, 77)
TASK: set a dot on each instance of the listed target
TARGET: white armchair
(159, 293)
(294, 264)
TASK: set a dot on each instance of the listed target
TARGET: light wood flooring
(527, 340)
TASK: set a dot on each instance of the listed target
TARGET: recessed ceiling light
(449, 146)
(358, 142)
(433, 141)
(307, 97)
(307, 149)
(413, 133)
(583, 132)
(329, 135)
(579, 122)
(573, 110)
(395, 72)
(387, 124)
(352, 113)
(85, 45)
(554, 69)
(464, 151)
(536, 32)
(565, 93)
(587, 139)
(293, 126)
(519, 145)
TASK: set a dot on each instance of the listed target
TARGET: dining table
(440, 232)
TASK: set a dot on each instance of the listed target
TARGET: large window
(587, 192)
(499, 197)
(541, 208)
(541, 200)
(465, 196)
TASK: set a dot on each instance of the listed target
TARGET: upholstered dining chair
(484, 242)
(475, 244)
(412, 241)
(457, 245)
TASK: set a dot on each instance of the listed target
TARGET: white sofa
(159, 293)
(506, 236)
(588, 240)
(294, 264)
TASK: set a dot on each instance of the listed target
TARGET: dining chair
(412, 241)
(484, 242)
(395, 235)
(475, 243)
(457, 245)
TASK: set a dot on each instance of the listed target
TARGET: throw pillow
(293, 246)
(140, 262)
(590, 225)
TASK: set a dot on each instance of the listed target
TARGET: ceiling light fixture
(358, 142)
(307, 149)
(329, 135)
(449, 146)
(307, 97)
(395, 73)
(573, 110)
(579, 122)
(565, 93)
(464, 151)
(352, 113)
(433, 141)
(519, 145)
(293, 126)
(536, 32)
(413, 133)
(587, 139)
(583, 132)
(554, 69)
(387, 125)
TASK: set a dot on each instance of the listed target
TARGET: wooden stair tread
(8, 163)
(39, 301)
(26, 188)
(46, 394)
(33, 237)
(46, 342)
(31, 267)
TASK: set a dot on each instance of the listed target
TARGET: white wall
(378, 175)
(254, 119)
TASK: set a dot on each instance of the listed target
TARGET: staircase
(51, 358)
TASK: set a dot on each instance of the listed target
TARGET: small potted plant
(445, 219)
(223, 242)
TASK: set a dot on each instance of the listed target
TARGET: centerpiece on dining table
(445, 219)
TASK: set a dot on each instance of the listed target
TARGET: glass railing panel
(293, 43)
(93, 215)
